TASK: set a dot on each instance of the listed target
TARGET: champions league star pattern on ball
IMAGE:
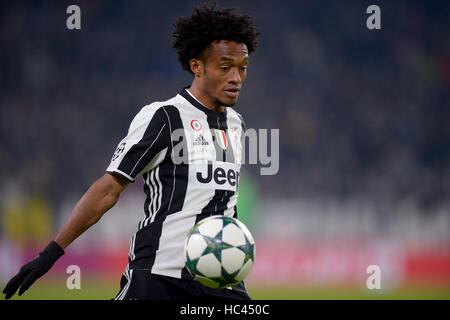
(219, 252)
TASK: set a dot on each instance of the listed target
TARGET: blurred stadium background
(363, 115)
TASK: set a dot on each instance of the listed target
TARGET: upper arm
(113, 183)
(119, 182)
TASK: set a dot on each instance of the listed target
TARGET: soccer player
(188, 151)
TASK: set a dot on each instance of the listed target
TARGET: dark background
(359, 111)
(363, 114)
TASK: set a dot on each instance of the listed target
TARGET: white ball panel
(245, 270)
(233, 235)
(246, 231)
(209, 266)
(211, 227)
(195, 246)
(232, 259)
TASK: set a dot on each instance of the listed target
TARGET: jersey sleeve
(144, 146)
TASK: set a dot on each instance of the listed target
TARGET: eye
(244, 68)
(225, 68)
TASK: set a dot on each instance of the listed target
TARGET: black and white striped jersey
(189, 157)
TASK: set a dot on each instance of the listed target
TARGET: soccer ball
(219, 252)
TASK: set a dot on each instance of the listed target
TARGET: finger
(29, 280)
(14, 284)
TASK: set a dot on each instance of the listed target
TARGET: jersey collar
(185, 94)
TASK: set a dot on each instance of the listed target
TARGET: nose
(235, 77)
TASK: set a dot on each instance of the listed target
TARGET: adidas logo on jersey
(200, 141)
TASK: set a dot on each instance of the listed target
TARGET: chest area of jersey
(209, 139)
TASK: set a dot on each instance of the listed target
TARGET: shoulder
(158, 106)
(154, 112)
(233, 114)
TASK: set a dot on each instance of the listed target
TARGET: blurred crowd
(361, 112)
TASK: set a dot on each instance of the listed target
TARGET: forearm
(99, 198)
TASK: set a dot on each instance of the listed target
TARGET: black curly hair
(192, 35)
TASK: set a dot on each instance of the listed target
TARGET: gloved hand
(33, 270)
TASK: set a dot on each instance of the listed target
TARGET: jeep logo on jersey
(221, 138)
(217, 175)
(196, 125)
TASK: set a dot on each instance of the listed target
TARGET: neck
(204, 98)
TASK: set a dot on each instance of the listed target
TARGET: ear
(196, 67)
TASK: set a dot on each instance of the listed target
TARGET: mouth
(232, 92)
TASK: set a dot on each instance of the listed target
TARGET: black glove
(33, 270)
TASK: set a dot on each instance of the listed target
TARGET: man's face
(224, 71)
